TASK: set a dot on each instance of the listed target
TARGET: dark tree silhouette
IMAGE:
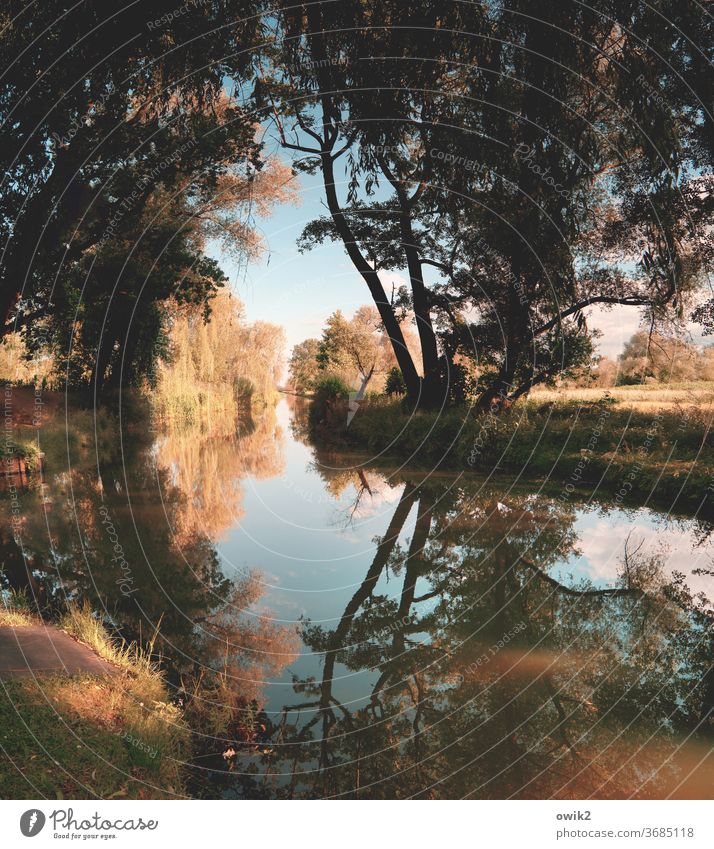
(517, 168)
(103, 109)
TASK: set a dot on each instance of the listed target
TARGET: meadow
(645, 397)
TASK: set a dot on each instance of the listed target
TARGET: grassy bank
(90, 737)
(662, 456)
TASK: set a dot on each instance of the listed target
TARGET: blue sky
(298, 290)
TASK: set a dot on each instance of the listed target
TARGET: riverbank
(661, 456)
(90, 736)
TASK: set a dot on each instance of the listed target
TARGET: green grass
(93, 737)
(665, 455)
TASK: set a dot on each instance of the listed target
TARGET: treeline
(649, 358)
(123, 155)
(514, 170)
(218, 368)
(352, 353)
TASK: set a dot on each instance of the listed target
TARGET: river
(382, 631)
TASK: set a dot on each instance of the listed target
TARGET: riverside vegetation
(487, 571)
(158, 728)
(84, 736)
(661, 453)
(112, 288)
(637, 428)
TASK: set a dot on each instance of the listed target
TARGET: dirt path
(30, 650)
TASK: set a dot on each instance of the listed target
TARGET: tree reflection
(208, 471)
(133, 534)
(484, 675)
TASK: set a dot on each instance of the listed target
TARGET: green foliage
(329, 392)
(395, 385)
(120, 136)
(304, 366)
(552, 440)
(332, 388)
(244, 388)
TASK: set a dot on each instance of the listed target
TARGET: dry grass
(85, 627)
(83, 736)
(645, 398)
(15, 610)
(14, 618)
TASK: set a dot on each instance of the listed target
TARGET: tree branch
(629, 301)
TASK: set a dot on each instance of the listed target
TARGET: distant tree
(213, 366)
(604, 372)
(394, 384)
(656, 357)
(354, 347)
(706, 364)
(303, 368)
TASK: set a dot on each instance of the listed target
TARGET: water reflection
(133, 533)
(483, 675)
(383, 633)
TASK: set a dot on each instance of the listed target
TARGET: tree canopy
(518, 169)
(116, 131)
(515, 169)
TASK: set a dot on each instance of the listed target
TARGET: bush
(329, 392)
(395, 384)
(331, 388)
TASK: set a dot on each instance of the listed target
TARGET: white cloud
(603, 544)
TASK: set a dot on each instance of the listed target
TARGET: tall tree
(303, 368)
(519, 168)
(101, 107)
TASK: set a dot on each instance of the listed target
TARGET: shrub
(395, 384)
(329, 392)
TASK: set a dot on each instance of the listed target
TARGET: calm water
(406, 634)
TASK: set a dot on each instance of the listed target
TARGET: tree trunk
(501, 393)
(371, 278)
(432, 391)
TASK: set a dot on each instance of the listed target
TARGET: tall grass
(82, 736)
(81, 623)
(15, 609)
